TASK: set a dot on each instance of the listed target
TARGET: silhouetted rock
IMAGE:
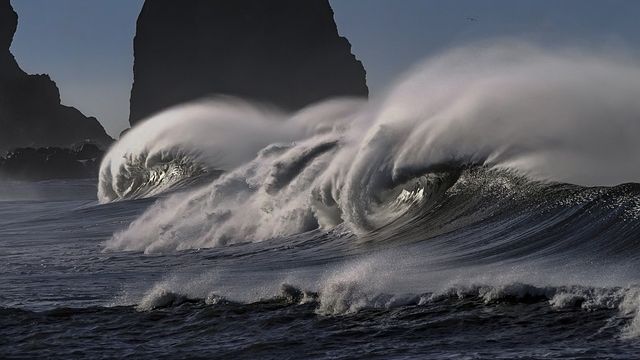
(81, 161)
(284, 52)
(30, 109)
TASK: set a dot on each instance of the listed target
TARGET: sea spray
(568, 116)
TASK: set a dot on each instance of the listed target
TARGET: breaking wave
(568, 117)
(205, 137)
(339, 298)
(507, 166)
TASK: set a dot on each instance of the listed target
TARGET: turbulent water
(487, 206)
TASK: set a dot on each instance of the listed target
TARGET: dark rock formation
(30, 109)
(284, 52)
(80, 161)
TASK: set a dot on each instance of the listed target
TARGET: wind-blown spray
(567, 116)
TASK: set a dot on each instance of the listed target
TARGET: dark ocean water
(442, 219)
(475, 274)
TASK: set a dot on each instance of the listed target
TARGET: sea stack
(30, 111)
(287, 53)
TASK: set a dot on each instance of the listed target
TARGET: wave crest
(546, 115)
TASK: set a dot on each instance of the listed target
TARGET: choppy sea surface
(505, 282)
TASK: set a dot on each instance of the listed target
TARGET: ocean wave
(480, 161)
(543, 116)
(342, 298)
(211, 135)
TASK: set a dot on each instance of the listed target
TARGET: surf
(502, 172)
(554, 116)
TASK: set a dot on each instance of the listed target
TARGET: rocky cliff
(30, 109)
(284, 52)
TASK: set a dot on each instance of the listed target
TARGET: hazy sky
(86, 45)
